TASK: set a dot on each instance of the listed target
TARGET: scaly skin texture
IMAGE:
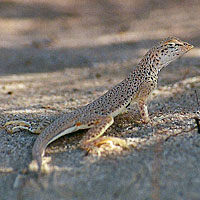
(98, 115)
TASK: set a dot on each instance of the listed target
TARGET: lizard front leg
(142, 105)
(145, 91)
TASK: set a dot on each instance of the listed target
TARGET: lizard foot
(106, 145)
(112, 141)
(20, 125)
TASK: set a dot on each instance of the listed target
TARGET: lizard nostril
(188, 46)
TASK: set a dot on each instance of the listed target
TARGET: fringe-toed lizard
(98, 115)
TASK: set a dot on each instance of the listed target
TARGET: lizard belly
(119, 110)
(67, 131)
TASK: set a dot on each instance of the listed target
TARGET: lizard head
(168, 50)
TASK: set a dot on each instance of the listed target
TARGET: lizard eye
(171, 44)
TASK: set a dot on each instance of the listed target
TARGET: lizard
(99, 115)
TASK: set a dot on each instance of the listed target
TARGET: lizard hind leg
(23, 125)
(93, 140)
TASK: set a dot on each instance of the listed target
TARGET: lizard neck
(148, 69)
(149, 64)
(153, 60)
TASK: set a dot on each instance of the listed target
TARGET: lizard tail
(54, 131)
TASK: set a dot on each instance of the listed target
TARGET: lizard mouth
(191, 47)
